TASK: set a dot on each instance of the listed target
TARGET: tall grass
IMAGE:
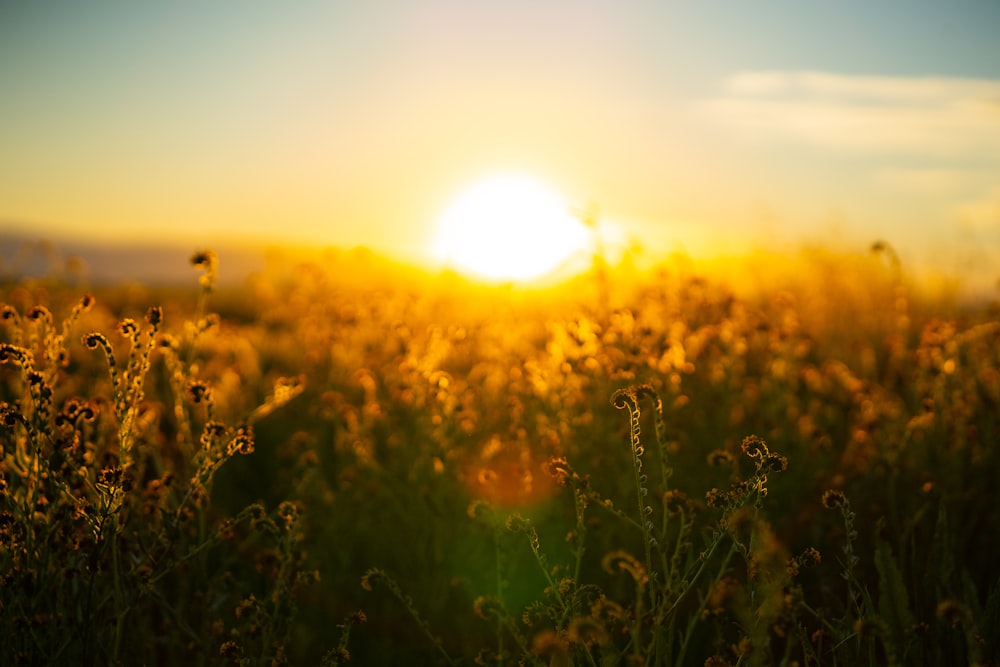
(647, 469)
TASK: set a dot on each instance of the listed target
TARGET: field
(342, 461)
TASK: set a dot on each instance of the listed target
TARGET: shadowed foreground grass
(335, 463)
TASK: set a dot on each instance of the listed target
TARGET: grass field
(339, 461)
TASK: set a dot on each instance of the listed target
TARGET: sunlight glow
(508, 227)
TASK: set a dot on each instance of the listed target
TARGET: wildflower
(744, 648)
(241, 444)
(168, 342)
(754, 447)
(953, 613)
(198, 391)
(231, 651)
(675, 502)
(95, 340)
(13, 352)
(478, 509)
(558, 468)
(154, 316)
(339, 655)
(716, 498)
(518, 524)
(719, 457)
(128, 328)
(204, 259)
(247, 606)
(776, 463)
(208, 262)
(288, 513)
(86, 411)
(834, 498)
(622, 561)
(212, 432)
(717, 661)
(38, 313)
(548, 644)
(722, 594)
(808, 558)
(110, 477)
(587, 631)
(371, 578)
(486, 607)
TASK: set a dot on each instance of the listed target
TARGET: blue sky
(710, 125)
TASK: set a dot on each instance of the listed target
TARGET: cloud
(930, 117)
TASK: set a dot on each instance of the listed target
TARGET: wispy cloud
(932, 117)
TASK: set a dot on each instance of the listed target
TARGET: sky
(698, 127)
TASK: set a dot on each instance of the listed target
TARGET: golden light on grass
(508, 227)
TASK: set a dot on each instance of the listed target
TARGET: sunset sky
(692, 126)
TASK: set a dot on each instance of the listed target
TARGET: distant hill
(167, 265)
(107, 264)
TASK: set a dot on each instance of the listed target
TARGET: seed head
(154, 316)
(9, 415)
(675, 502)
(241, 444)
(810, 557)
(128, 328)
(776, 463)
(39, 313)
(834, 498)
(95, 340)
(719, 457)
(9, 352)
(953, 613)
(754, 447)
(198, 391)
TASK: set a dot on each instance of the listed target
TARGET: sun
(508, 227)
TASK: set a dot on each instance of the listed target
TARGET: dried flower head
(622, 561)
(10, 416)
(754, 447)
(833, 498)
(558, 468)
(154, 316)
(128, 328)
(954, 614)
(719, 457)
(10, 352)
(39, 313)
(241, 444)
(676, 502)
(289, 512)
(208, 262)
(96, 340)
(776, 463)
(198, 391)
